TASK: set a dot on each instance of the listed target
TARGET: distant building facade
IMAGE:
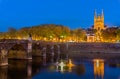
(90, 38)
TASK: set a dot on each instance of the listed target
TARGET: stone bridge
(11, 47)
(24, 49)
(49, 50)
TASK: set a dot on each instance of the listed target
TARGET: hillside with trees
(47, 32)
(59, 33)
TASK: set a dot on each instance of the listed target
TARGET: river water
(40, 68)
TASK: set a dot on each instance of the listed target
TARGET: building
(97, 28)
(98, 21)
(90, 38)
(90, 35)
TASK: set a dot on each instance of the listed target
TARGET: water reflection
(23, 69)
(3, 72)
(63, 66)
(80, 69)
(98, 68)
(70, 65)
(114, 64)
(29, 70)
(17, 69)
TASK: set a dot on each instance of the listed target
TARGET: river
(40, 68)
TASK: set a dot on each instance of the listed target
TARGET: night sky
(72, 13)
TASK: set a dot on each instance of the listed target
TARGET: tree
(118, 34)
(109, 34)
(11, 32)
(78, 34)
(23, 33)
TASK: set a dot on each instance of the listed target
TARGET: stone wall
(98, 50)
(94, 47)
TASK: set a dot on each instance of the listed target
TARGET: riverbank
(93, 50)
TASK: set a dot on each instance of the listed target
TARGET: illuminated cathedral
(99, 21)
(98, 27)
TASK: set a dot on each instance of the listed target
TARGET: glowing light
(98, 67)
(97, 63)
(70, 65)
(61, 64)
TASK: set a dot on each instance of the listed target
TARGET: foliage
(118, 34)
(80, 34)
(109, 34)
(49, 32)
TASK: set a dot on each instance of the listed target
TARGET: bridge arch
(37, 49)
(17, 51)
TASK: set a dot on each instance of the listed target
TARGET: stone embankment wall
(94, 50)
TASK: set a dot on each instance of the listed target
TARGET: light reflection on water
(62, 69)
(63, 65)
(98, 68)
(83, 69)
(17, 69)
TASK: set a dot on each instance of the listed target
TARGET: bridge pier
(52, 54)
(67, 48)
(29, 49)
(3, 57)
(58, 52)
(44, 56)
(4, 62)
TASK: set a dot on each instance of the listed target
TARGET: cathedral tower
(99, 21)
(98, 25)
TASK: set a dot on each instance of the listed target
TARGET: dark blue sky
(72, 13)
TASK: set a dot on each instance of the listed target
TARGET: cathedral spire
(102, 12)
(95, 13)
